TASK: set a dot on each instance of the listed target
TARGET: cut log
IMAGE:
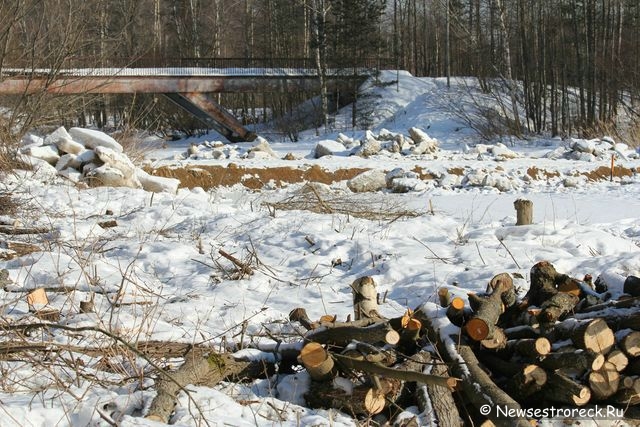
(593, 335)
(464, 364)
(521, 380)
(474, 378)
(578, 361)
(18, 230)
(618, 359)
(630, 343)
(15, 250)
(522, 332)
(483, 324)
(365, 298)
(604, 382)
(626, 397)
(503, 283)
(561, 388)
(530, 347)
(372, 353)
(317, 361)
(631, 286)
(542, 283)
(629, 381)
(475, 301)
(355, 400)
(603, 307)
(380, 332)
(543, 292)
(374, 401)
(498, 340)
(527, 381)
(455, 311)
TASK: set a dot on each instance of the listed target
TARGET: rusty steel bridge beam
(19, 85)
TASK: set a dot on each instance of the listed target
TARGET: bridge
(187, 86)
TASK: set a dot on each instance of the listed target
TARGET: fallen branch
(375, 368)
(243, 267)
(10, 229)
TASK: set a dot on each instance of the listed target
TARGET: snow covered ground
(158, 274)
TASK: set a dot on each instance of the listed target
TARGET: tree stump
(524, 211)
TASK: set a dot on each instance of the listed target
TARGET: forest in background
(567, 66)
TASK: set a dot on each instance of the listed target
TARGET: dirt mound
(209, 176)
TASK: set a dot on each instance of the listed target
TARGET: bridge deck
(187, 87)
(171, 80)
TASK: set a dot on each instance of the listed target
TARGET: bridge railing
(186, 65)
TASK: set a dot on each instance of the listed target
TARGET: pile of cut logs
(566, 343)
(372, 367)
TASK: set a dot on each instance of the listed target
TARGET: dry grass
(628, 133)
(7, 205)
(314, 198)
(132, 142)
